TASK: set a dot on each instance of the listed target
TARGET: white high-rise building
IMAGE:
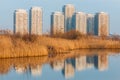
(90, 23)
(68, 10)
(57, 23)
(102, 24)
(21, 22)
(80, 22)
(36, 21)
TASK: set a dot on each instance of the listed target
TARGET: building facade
(21, 22)
(102, 24)
(68, 10)
(57, 23)
(90, 23)
(80, 22)
(36, 21)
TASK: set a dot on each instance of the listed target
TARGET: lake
(88, 65)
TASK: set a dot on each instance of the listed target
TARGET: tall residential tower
(90, 23)
(36, 21)
(102, 24)
(21, 22)
(57, 23)
(80, 23)
(68, 12)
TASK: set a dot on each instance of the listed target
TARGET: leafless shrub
(69, 35)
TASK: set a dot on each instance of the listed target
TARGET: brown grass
(14, 46)
(33, 45)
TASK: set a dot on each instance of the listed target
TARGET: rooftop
(35, 7)
(69, 5)
(79, 13)
(21, 10)
(57, 12)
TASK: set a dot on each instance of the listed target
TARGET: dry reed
(33, 45)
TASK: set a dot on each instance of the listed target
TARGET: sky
(112, 7)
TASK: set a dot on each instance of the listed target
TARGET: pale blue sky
(7, 8)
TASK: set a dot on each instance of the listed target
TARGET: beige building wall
(90, 23)
(36, 21)
(103, 24)
(57, 23)
(68, 10)
(80, 22)
(21, 21)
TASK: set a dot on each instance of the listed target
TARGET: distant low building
(6, 31)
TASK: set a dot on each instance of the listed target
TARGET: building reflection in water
(57, 65)
(80, 63)
(36, 70)
(68, 66)
(84, 62)
(20, 68)
(68, 70)
(90, 61)
(101, 62)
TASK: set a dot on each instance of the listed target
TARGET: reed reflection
(68, 66)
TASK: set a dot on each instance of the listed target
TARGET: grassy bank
(31, 45)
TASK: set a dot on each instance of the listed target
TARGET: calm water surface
(102, 66)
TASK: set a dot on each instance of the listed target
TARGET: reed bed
(33, 45)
